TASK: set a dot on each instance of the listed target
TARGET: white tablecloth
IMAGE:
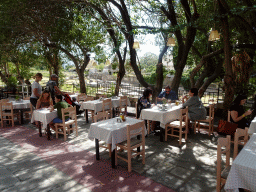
(154, 114)
(43, 115)
(243, 169)
(111, 131)
(252, 128)
(24, 104)
(96, 105)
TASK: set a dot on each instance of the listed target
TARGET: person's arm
(53, 107)
(234, 115)
(38, 104)
(51, 103)
(189, 102)
(160, 96)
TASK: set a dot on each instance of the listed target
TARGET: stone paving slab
(191, 167)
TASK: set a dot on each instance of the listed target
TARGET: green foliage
(12, 82)
(100, 67)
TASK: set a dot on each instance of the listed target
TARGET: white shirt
(39, 89)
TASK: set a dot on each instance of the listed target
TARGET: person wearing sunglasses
(167, 94)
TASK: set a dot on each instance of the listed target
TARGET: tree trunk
(228, 78)
(159, 74)
(81, 80)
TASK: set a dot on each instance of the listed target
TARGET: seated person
(45, 100)
(238, 113)
(144, 101)
(167, 94)
(59, 105)
(75, 103)
(196, 110)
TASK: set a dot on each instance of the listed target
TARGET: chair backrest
(222, 143)
(123, 101)
(134, 130)
(26, 98)
(240, 141)
(81, 97)
(107, 104)
(211, 110)
(68, 112)
(7, 106)
(89, 98)
(229, 114)
(102, 115)
(184, 114)
(4, 100)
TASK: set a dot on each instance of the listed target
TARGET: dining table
(21, 105)
(96, 105)
(243, 170)
(252, 127)
(163, 115)
(111, 131)
(44, 116)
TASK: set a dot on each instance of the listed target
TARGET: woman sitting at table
(238, 113)
(59, 105)
(144, 101)
(196, 110)
(45, 100)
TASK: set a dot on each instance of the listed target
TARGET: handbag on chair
(226, 127)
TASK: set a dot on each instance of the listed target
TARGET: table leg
(21, 116)
(40, 129)
(97, 149)
(48, 132)
(161, 134)
(86, 116)
(113, 112)
(138, 148)
(113, 159)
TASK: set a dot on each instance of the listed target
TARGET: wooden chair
(8, 114)
(229, 114)
(26, 98)
(209, 119)
(107, 106)
(132, 143)
(239, 140)
(81, 97)
(28, 113)
(67, 126)
(179, 126)
(4, 100)
(101, 116)
(122, 105)
(223, 174)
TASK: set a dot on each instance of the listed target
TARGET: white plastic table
(45, 117)
(243, 169)
(252, 128)
(154, 114)
(110, 131)
(96, 105)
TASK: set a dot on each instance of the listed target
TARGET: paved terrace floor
(31, 163)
